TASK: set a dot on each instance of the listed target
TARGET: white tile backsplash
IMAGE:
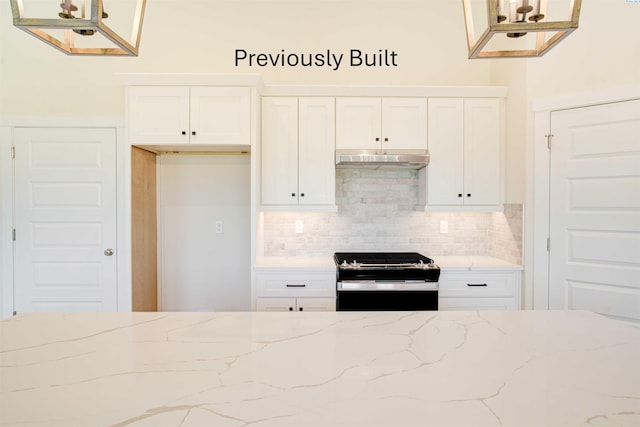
(376, 213)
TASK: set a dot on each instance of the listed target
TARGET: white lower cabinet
(295, 290)
(296, 304)
(480, 290)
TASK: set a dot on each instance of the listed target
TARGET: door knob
(108, 252)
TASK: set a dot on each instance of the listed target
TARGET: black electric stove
(375, 281)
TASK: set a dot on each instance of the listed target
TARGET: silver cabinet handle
(108, 252)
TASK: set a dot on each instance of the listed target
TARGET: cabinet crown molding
(389, 91)
(255, 80)
(190, 79)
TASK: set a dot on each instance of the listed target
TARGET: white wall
(201, 37)
(203, 268)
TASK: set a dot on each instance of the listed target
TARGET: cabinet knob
(301, 308)
(290, 308)
(293, 194)
(193, 132)
(468, 194)
(301, 194)
(184, 132)
(386, 140)
(459, 194)
(377, 139)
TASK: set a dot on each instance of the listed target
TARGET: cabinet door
(279, 151)
(158, 115)
(446, 139)
(220, 115)
(276, 304)
(404, 124)
(316, 304)
(482, 152)
(358, 124)
(316, 145)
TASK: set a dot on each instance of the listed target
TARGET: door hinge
(15, 313)
(13, 152)
(548, 244)
(13, 234)
(548, 136)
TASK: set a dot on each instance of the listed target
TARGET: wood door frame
(123, 205)
(538, 178)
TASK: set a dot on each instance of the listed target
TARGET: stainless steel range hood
(368, 159)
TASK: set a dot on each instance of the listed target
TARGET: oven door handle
(373, 285)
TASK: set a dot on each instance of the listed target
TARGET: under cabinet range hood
(373, 160)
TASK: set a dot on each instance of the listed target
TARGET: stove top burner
(385, 266)
(381, 259)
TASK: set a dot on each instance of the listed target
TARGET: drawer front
(296, 285)
(473, 304)
(478, 284)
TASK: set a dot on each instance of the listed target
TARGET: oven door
(386, 296)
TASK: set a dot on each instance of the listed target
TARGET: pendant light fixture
(79, 27)
(515, 19)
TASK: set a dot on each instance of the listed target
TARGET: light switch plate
(218, 227)
(299, 226)
(444, 227)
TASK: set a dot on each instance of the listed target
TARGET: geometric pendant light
(78, 27)
(515, 19)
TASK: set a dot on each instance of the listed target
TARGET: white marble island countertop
(319, 369)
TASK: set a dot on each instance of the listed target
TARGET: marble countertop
(313, 263)
(326, 263)
(516, 368)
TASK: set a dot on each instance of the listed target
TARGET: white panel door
(595, 210)
(404, 124)
(65, 203)
(316, 148)
(220, 115)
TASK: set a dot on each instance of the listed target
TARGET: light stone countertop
(326, 263)
(395, 369)
(313, 263)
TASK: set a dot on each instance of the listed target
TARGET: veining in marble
(521, 368)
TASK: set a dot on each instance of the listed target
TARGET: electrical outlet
(299, 226)
(444, 227)
(218, 227)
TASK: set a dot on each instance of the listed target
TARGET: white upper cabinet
(298, 163)
(178, 115)
(465, 144)
(279, 151)
(316, 151)
(381, 124)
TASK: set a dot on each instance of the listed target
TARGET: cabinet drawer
(473, 304)
(478, 284)
(296, 285)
